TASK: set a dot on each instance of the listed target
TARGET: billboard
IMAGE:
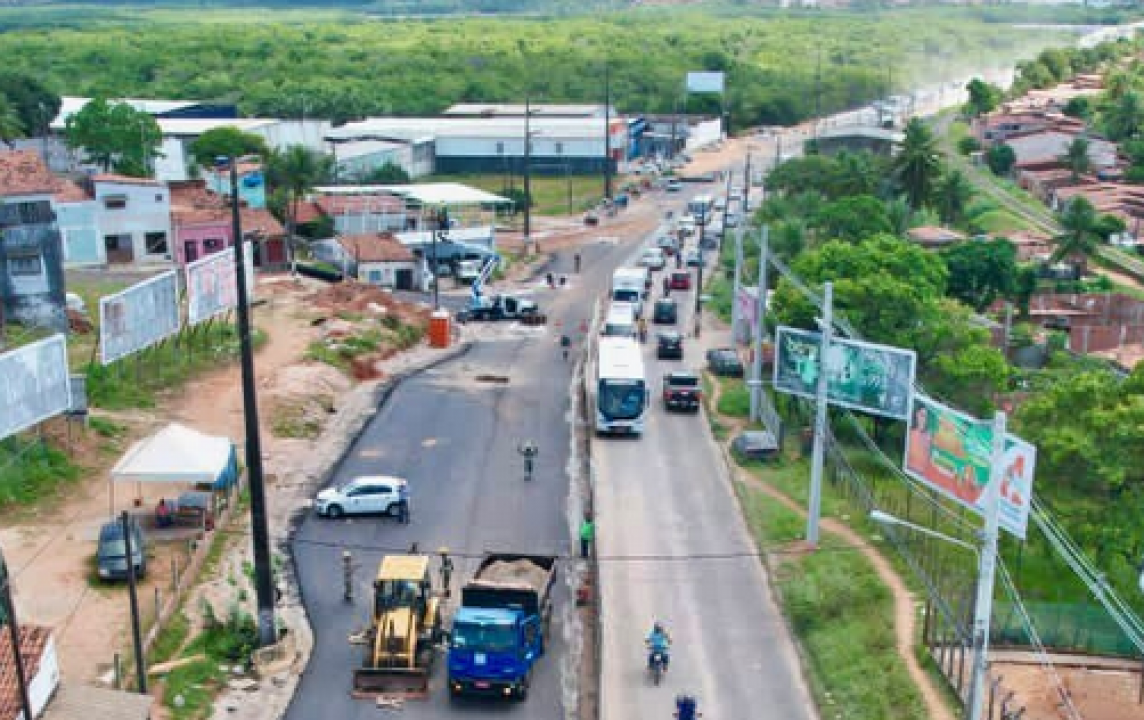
(705, 82)
(33, 384)
(211, 288)
(950, 452)
(138, 317)
(748, 305)
(872, 378)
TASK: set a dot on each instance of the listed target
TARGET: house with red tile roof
(41, 670)
(932, 238)
(202, 224)
(381, 259)
(31, 251)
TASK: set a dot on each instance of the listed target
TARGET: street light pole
(756, 384)
(607, 131)
(820, 417)
(9, 609)
(527, 174)
(442, 223)
(260, 534)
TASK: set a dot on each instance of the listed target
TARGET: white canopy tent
(177, 454)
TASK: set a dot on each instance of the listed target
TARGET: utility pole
(747, 187)
(699, 278)
(756, 383)
(736, 313)
(9, 610)
(527, 175)
(820, 416)
(986, 569)
(607, 131)
(817, 91)
(439, 234)
(260, 533)
(136, 630)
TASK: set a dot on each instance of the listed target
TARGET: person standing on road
(446, 571)
(587, 535)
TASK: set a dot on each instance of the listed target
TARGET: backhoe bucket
(395, 682)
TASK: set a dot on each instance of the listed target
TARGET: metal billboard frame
(224, 293)
(108, 351)
(14, 376)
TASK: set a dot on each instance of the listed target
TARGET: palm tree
(952, 196)
(917, 164)
(1076, 157)
(1080, 238)
(10, 125)
(293, 172)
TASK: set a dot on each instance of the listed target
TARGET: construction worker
(446, 571)
(348, 575)
(587, 535)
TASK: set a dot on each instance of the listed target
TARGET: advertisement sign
(138, 317)
(950, 452)
(34, 384)
(705, 82)
(872, 378)
(211, 288)
(748, 306)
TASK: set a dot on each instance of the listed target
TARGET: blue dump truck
(500, 630)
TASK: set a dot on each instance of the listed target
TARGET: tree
(952, 196)
(1078, 107)
(969, 377)
(1000, 158)
(1076, 157)
(981, 272)
(968, 145)
(115, 136)
(10, 125)
(226, 141)
(917, 163)
(1080, 238)
(983, 97)
(33, 103)
(1025, 286)
(788, 239)
(292, 173)
(1122, 119)
(387, 174)
(853, 219)
(1109, 225)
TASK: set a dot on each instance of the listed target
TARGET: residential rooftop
(23, 172)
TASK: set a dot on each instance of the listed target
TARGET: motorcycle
(657, 665)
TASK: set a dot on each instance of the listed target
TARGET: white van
(621, 321)
(629, 285)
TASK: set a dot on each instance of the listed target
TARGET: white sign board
(705, 82)
(138, 317)
(211, 287)
(33, 384)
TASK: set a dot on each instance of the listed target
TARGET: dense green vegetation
(341, 65)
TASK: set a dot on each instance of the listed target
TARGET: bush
(968, 145)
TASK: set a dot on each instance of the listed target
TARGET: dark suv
(681, 391)
(111, 557)
(725, 361)
(669, 345)
(666, 312)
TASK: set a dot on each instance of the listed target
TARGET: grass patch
(838, 608)
(551, 194)
(107, 428)
(136, 382)
(289, 420)
(31, 470)
(734, 398)
(171, 638)
(340, 352)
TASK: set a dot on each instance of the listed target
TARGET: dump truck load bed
(507, 580)
(516, 572)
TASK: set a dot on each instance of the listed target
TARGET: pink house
(202, 225)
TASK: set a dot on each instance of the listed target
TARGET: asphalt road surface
(663, 501)
(454, 437)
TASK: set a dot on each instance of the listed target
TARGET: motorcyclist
(686, 708)
(658, 641)
(642, 323)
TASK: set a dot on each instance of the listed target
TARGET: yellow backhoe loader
(406, 627)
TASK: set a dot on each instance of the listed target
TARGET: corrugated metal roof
(425, 193)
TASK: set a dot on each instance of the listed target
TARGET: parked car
(725, 361)
(720, 202)
(111, 554)
(371, 494)
(653, 259)
(732, 220)
(669, 346)
(710, 241)
(680, 280)
(665, 312)
(673, 185)
(756, 445)
(693, 258)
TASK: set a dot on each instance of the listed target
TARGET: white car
(653, 259)
(371, 494)
(674, 185)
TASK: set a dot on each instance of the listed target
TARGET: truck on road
(500, 629)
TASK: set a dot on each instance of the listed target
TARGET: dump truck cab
(405, 627)
(488, 649)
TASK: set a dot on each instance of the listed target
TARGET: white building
(134, 218)
(355, 159)
(174, 160)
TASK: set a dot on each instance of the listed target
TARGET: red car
(680, 280)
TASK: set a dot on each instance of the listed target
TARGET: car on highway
(665, 312)
(653, 259)
(725, 361)
(365, 495)
(693, 258)
(680, 280)
(667, 244)
(673, 185)
(710, 241)
(720, 203)
(681, 390)
(669, 346)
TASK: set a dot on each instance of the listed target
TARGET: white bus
(621, 388)
(620, 321)
(702, 207)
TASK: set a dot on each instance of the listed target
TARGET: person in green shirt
(587, 535)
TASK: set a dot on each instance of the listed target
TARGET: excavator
(404, 632)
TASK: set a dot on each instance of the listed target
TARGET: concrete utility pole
(756, 382)
(820, 417)
(747, 187)
(527, 176)
(736, 313)
(986, 572)
(607, 131)
(8, 613)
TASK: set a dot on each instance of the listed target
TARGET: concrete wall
(44, 684)
(148, 210)
(37, 298)
(205, 239)
(82, 242)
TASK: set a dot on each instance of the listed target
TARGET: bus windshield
(621, 399)
(626, 295)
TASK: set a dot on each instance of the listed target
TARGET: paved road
(455, 439)
(668, 494)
